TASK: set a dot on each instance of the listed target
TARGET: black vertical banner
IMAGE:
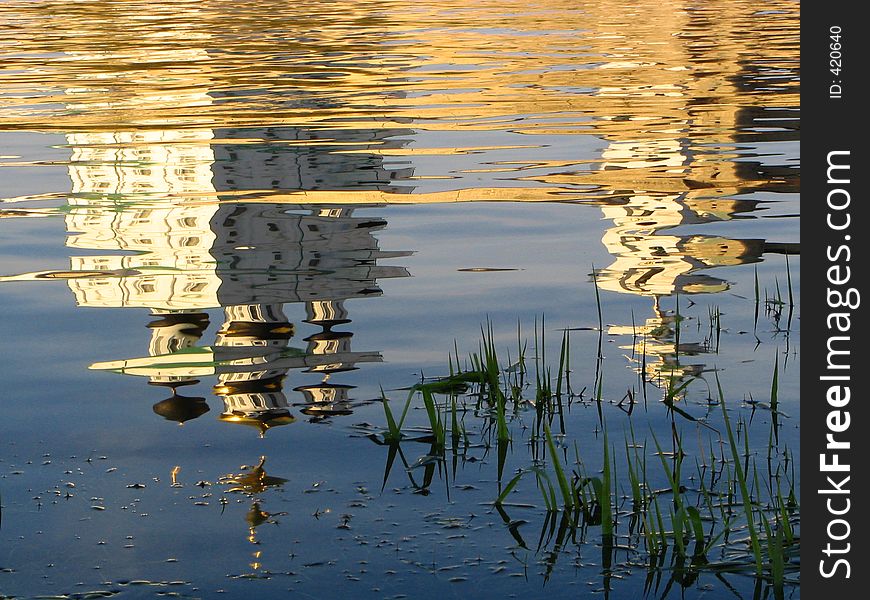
(835, 431)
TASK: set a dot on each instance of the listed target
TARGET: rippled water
(264, 213)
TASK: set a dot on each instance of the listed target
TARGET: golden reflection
(174, 475)
(149, 195)
(442, 64)
(252, 483)
(661, 179)
(658, 353)
(518, 82)
(225, 160)
(218, 166)
(665, 180)
(651, 263)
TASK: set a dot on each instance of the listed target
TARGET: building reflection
(250, 260)
(179, 202)
(252, 483)
(169, 215)
(196, 252)
(659, 181)
(200, 252)
(652, 258)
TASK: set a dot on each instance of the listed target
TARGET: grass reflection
(676, 511)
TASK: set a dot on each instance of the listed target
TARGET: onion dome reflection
(251, 260)
(326, 399)
(253, 397)
(180, 408)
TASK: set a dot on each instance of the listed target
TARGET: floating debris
(485, 269)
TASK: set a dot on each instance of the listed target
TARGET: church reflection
(660, 182)
(651, 258)
(201, 251)
(238, 184)
(261, 257)
(258, 258)
(167, 213)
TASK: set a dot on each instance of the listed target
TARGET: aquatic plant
(691, 526)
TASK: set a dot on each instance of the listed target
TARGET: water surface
(250, 218)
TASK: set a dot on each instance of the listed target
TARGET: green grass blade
(606, 503)
(561, 479)
(741, 482)
(509, 487)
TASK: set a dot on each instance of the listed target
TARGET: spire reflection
(253, 483)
